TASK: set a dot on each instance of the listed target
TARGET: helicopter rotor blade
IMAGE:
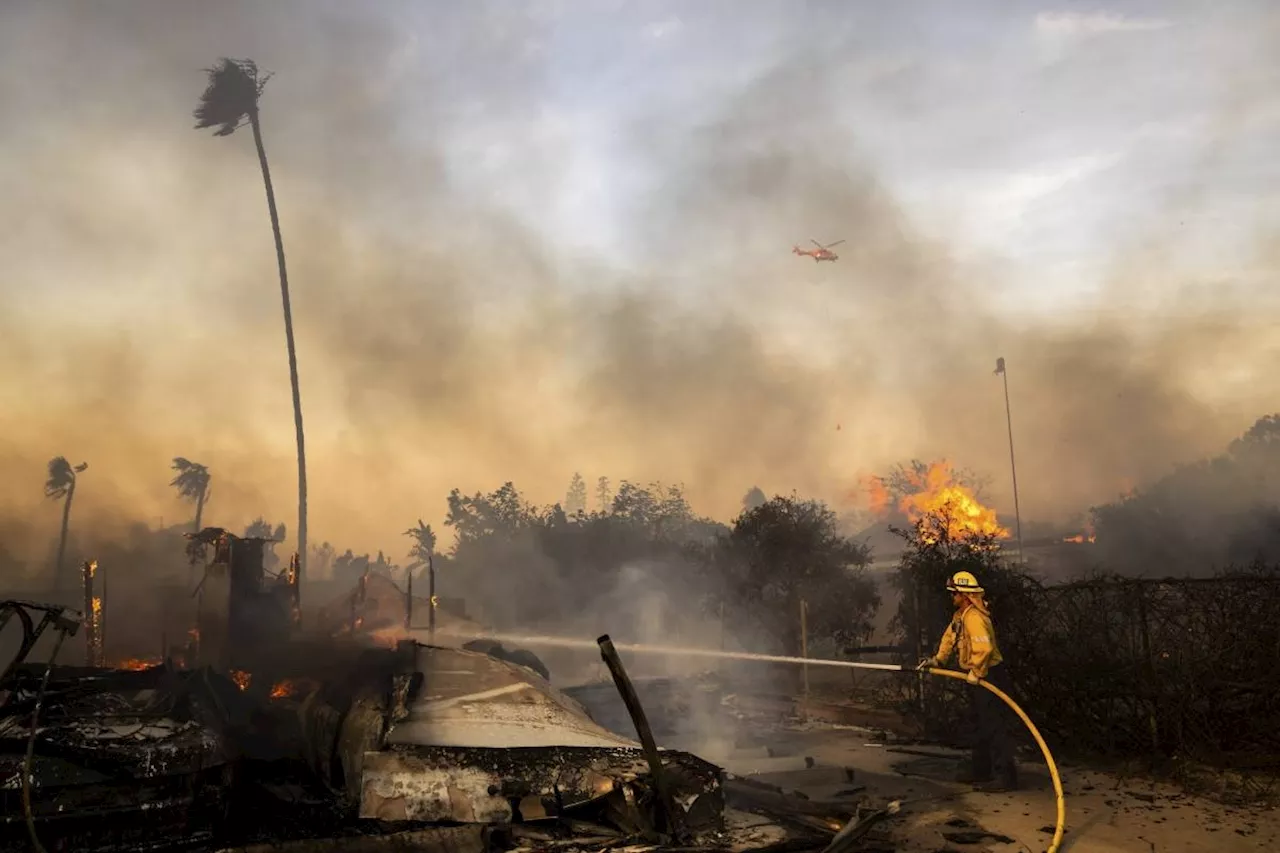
(836, 243)
(816, 243)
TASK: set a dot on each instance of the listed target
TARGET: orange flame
(138, 663)
(936, 492)
(390, 636)
(291, 687)
(1086, 536)
(241, 678)
(878, 498)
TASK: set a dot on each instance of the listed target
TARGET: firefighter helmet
(964, 582)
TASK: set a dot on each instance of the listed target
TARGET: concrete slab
(1104, 814)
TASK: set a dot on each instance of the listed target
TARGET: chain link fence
(1179, 676)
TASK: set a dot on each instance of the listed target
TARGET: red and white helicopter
(822, 253)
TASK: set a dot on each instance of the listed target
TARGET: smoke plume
(445, 340)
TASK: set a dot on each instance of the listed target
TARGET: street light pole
(1013, 465)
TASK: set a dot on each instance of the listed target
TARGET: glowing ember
(389, 636)
(935, 492)
(1086, 536)
(138, 663)
(241, 678)
(291, 687)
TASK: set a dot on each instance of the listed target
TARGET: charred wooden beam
(408, 601)
(666, 806)
(92, 615)
(431, 598)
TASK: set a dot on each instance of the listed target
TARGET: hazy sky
(532, 238)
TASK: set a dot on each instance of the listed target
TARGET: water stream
(655, 649)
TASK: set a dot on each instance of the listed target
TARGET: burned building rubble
(260, 734)
(121, 758)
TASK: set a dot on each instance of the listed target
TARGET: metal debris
(325, 744)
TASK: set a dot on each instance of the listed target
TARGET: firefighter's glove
(926, 663)
(973, 677)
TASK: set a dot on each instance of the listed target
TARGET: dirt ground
(1104, 814)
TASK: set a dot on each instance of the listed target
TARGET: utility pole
(1013, 465)
(431, 592)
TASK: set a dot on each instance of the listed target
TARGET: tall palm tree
(192, 484)
(229, 101)
(62, 484)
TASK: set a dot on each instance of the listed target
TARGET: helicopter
(822, 253)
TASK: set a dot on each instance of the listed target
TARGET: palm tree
(259, 528)
(230, 99)
(192, 484)
(424, 544)
(62, 484)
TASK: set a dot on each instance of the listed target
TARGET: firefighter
(972, 635)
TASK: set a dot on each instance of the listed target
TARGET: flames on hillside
(1080, 538)
(935, 493)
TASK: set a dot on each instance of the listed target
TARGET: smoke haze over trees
(463, 329)
(1203, 516)
(651, 569)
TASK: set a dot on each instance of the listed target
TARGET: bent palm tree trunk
(62, 538)
(288, 335)
(199, 510)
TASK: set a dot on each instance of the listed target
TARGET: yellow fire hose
(806, 661)
(1035, 733)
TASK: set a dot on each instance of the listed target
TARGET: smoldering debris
(122, 758)
(273, 739)
(165, 758)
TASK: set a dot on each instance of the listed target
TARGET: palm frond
(61, 476)
(230, 96)
(192, 480)
(424, 539)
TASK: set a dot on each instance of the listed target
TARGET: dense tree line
(646, 565)
(1200, 517)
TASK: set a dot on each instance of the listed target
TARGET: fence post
(431, 593)
(919, 632)
(408, 602)
(1149, 672)
(720, 662)
(804, 647)
(92, 615)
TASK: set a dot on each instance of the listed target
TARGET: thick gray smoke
(445, 341)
